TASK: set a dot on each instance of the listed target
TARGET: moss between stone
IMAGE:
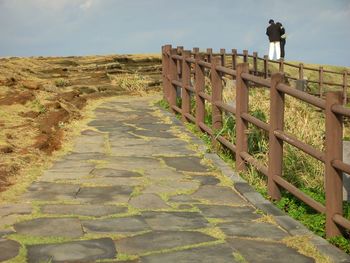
(214, 232)
(266, 219)
(305, 247)
(113, 236)
(98, 163)
(239, 258)
(204, 244)
(216, 221)
(144, 181)
(124, 257)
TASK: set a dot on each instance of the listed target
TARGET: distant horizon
(317, 31)
(151, 54)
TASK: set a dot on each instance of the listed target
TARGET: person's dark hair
(271, 21)
(279, 24)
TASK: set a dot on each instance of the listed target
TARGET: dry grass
(134, 83)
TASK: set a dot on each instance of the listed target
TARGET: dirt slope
(39, 96)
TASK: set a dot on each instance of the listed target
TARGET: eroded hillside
(39, 96)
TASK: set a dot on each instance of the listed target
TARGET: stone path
(137, 188)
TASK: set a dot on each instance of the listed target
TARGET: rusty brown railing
(230, 60)
(178, 69)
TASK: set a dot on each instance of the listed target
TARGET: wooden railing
(261, 66)
(188, 71)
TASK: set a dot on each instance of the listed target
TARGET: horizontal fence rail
(189, 71)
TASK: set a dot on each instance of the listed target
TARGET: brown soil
(39, 96)
(21, 98)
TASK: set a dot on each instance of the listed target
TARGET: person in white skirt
(274, 33)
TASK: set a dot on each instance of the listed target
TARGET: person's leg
(283, 43)
(271, 50)
(278, 50)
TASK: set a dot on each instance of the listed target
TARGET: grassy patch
(304, 246)
(239, 258)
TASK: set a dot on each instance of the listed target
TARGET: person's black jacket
(274, 32)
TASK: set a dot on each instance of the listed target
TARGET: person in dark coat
(274, 33)
(283, 39)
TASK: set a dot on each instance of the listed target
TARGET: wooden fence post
(216, 96)
(345, 87)
(179, 50)
(222, 55)
(255, 63)
(199, 87)
(242, 98)
(334, 151)
(186, 83)
(173, 75)
(165, 71)
(275, 144)
(234, 58)
(281, 65)
(321, 81)
(209, 54)
(266, 66)
(245, 56)
(194, 51)
(301, 71)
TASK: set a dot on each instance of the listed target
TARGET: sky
(318, 31)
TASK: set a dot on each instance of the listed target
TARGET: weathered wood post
(173, 75)
(334, 151)
(301, 71)
(320, 72)
(281, 65)
(255, 63)
(234, 58)
(275, 144)
(209, 54)
(195, 51)
(186, 83)
(345, 87)
(266, 66)
(242, 98)
(165, 71)
(216, 96)
(245, 56)
(199, 87)
(179, 50)
(222, 55)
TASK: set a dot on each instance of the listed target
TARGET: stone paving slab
(148, 201)
(174, 220)
(135, 183)
(8, 249)
(187, 164)
(77, 251)
(253, 230)
(46, 227)
(267, 252)
(118, 194)
(208, 254)
(116, 225)
(231, 213)
(218, 195)
(160, 240)
(47, 191)
(18, 209)
(106, 172)
(83, 210)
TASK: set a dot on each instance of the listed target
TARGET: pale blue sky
(318, 30)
